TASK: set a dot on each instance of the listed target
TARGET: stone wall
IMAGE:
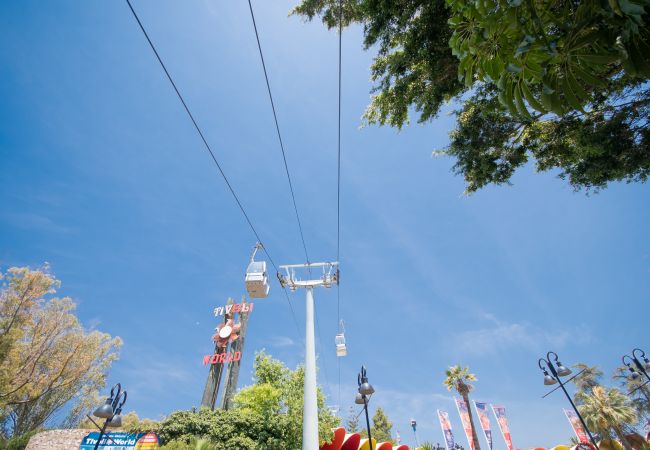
(57, 440)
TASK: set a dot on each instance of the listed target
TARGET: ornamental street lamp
(641, 368)
(110, 411)
(414, 425)
(363, 397)
(558, 370)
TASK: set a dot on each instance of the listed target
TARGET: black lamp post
(558, 370)
(363, 397)
(414, 425)
(110, 411)
(641, 368)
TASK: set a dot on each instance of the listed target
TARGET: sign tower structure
(229, 344)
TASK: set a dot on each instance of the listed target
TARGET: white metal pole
(310, 411)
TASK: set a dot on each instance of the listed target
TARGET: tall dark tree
(352, 423)
(381, 426)
(562, 84)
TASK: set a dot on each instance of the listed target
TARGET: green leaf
(530, 98)
(501, 84)
(570, 96)
(508, 94)
(588, 77)
(603, 58)
(519, 102)
(631, 9)
(615, 7)
(588, 38)
(575, 86)
(547, 101)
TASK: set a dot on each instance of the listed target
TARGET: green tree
(588, 379)
(639, 392)
(381, 426)
(47, 359)
(458, 378)
(276, 390)
(352, 424)
(238, 428)
(563, 84)
(606, 411)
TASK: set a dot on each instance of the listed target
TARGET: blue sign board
(120, 441)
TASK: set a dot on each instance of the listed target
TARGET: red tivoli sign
(234, 308)
(221, 358)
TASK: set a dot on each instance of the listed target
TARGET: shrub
(17, 442)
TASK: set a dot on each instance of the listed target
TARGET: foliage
(233, 428)
(414, 66)
(17, 442)
(193, 444)
(587, 380)
(563, 83)
(280, 390)
(352, 423)
(261, 398)
(639, 393)
(459, 378)
(606, 411)
(267, 414)
(427, 446)
(47, 359)
(609, 142)
(381, 426)
(554, 56)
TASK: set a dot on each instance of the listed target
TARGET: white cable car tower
(330, 276)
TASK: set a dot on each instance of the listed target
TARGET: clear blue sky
(103, 176)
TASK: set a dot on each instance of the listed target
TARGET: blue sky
(103, 176)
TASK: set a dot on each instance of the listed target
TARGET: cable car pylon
(329, 277)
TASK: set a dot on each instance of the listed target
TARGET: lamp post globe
(366, 389)
(105, 411)
(549, 380)
(116, 421)
(359, 399)
(562, 370)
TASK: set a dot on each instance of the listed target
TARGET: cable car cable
(277, 128)
(209, 149)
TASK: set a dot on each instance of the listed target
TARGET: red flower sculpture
(225, 333)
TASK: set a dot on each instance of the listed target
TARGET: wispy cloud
(280, 341)
(32, 221)
(501, 336)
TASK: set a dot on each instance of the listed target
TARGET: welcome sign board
(120, 441)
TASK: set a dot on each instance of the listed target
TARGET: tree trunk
(232, 375)
(622, 438)
(477, 445)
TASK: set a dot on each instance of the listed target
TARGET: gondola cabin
(341, 349)
(257, 280)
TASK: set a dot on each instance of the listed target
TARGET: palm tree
(606, 410)
(458, 378)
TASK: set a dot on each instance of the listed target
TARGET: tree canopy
(563, 84)
(47, 358)
(381, 426)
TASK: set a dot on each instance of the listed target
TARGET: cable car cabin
(341, 349)
(257, 281)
